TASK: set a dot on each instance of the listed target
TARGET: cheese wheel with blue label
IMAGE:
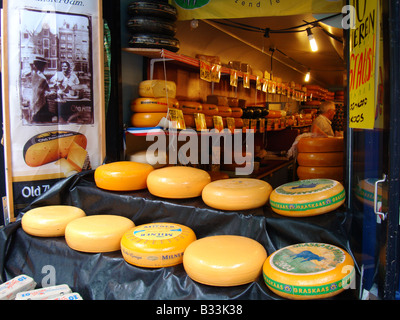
(97, 233)
(307, 197)
(50, 221)
(224, 260)
(156, 245)
(307, 271)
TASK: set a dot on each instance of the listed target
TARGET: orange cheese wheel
(190, 107)
(224, 111)
(274, 114)
(224, 260)
(177, 182)
(209, 109)
(122, 175)
(307, 271)
(329, 144)
(49, 221)
(335, 173)
(189, 120)
(209, 122)
(310, 197)
(97, 233)
(320, 159)
(144, 119)
(153, 104)
(156, 245)
(237, 112)
(238, 123)
(236, 193)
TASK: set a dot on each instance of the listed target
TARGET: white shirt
(324, 124)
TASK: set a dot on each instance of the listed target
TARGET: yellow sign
(363, 56)
(228, 9)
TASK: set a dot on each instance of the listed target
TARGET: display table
(108, 276)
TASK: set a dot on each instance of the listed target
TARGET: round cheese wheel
(224, 111)
(153, 104)
(307, 197)
(335, 173)
(189, 120)
(238, 123)
(236, 193)
(190, 107)
(156, 245)
(237, 112)
(224, 260)
(320, 159)
(209, 122)
(157, 159)
(144, 119)
(49, 221)
(122, 175)
(97, 233)
(157, 89)
(209, 109)
(319, 144)
(308, 271)
(177, 182)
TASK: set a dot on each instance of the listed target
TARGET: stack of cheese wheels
(177, 182)
(50, 221)
(189, 108)
(97, 233)
(156, 245)
(320, 158)
(122, 175)
(236, 193)
(224, 260)
(156, 97)
(309, 271)
(307, 197)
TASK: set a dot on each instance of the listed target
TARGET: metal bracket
(378, 210)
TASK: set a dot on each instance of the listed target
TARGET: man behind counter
(322, 125)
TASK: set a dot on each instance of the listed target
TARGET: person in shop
(65, 79)
(322, 125)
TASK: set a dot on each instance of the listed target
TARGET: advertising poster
(53, 94)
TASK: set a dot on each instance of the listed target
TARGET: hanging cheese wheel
(237, 112)
(190, 107)
(309, 271)
(335, 173)
(319, 144)
(145, 120)
(49, 221)
(209, 109)
(156, 245)
(307, 197)
(224, 111)
(153, 104)
(157, 89)
(320, 159)
(177, 182)
(97, 233)
(122, 175)
(224, 260)
(236, 193)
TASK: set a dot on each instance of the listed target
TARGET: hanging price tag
(233, 78)
(176, 117)
(218, 123)
(246, 80)
(230, 123)
(264, 85)
(200, 121)
(205, 71)
(215, 73)
(258, 83)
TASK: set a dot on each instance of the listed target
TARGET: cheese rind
(335, 173)
(320, 159)
(50, 221)
(153, 104)
(177, 182)
(319, 144)
(122, 175)
(236, 193)
(97, 233)
(308, 271)
(156, 245)
(224, 260)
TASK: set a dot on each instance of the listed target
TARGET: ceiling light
(307, 77)
(311, 38)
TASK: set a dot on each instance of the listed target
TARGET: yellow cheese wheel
(320, 159)
(49, 221)
(177, 182)
(144, 119)
(236, 193)
(307, 197)
(224, 260)
(237, 112)
(122, 175)
(224, 111)
(209, 109)
(335, 173)
(157, 89)
(153, 104)
(190, 107)
(97, 233)
(309, 271)
(319, 144)
(156, 245)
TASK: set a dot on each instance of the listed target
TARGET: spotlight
(307, 77)
(311, 38)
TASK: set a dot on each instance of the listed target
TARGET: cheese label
(158, 232)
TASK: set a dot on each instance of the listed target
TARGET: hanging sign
(229, 9)
(363, 62)
(53, 94)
